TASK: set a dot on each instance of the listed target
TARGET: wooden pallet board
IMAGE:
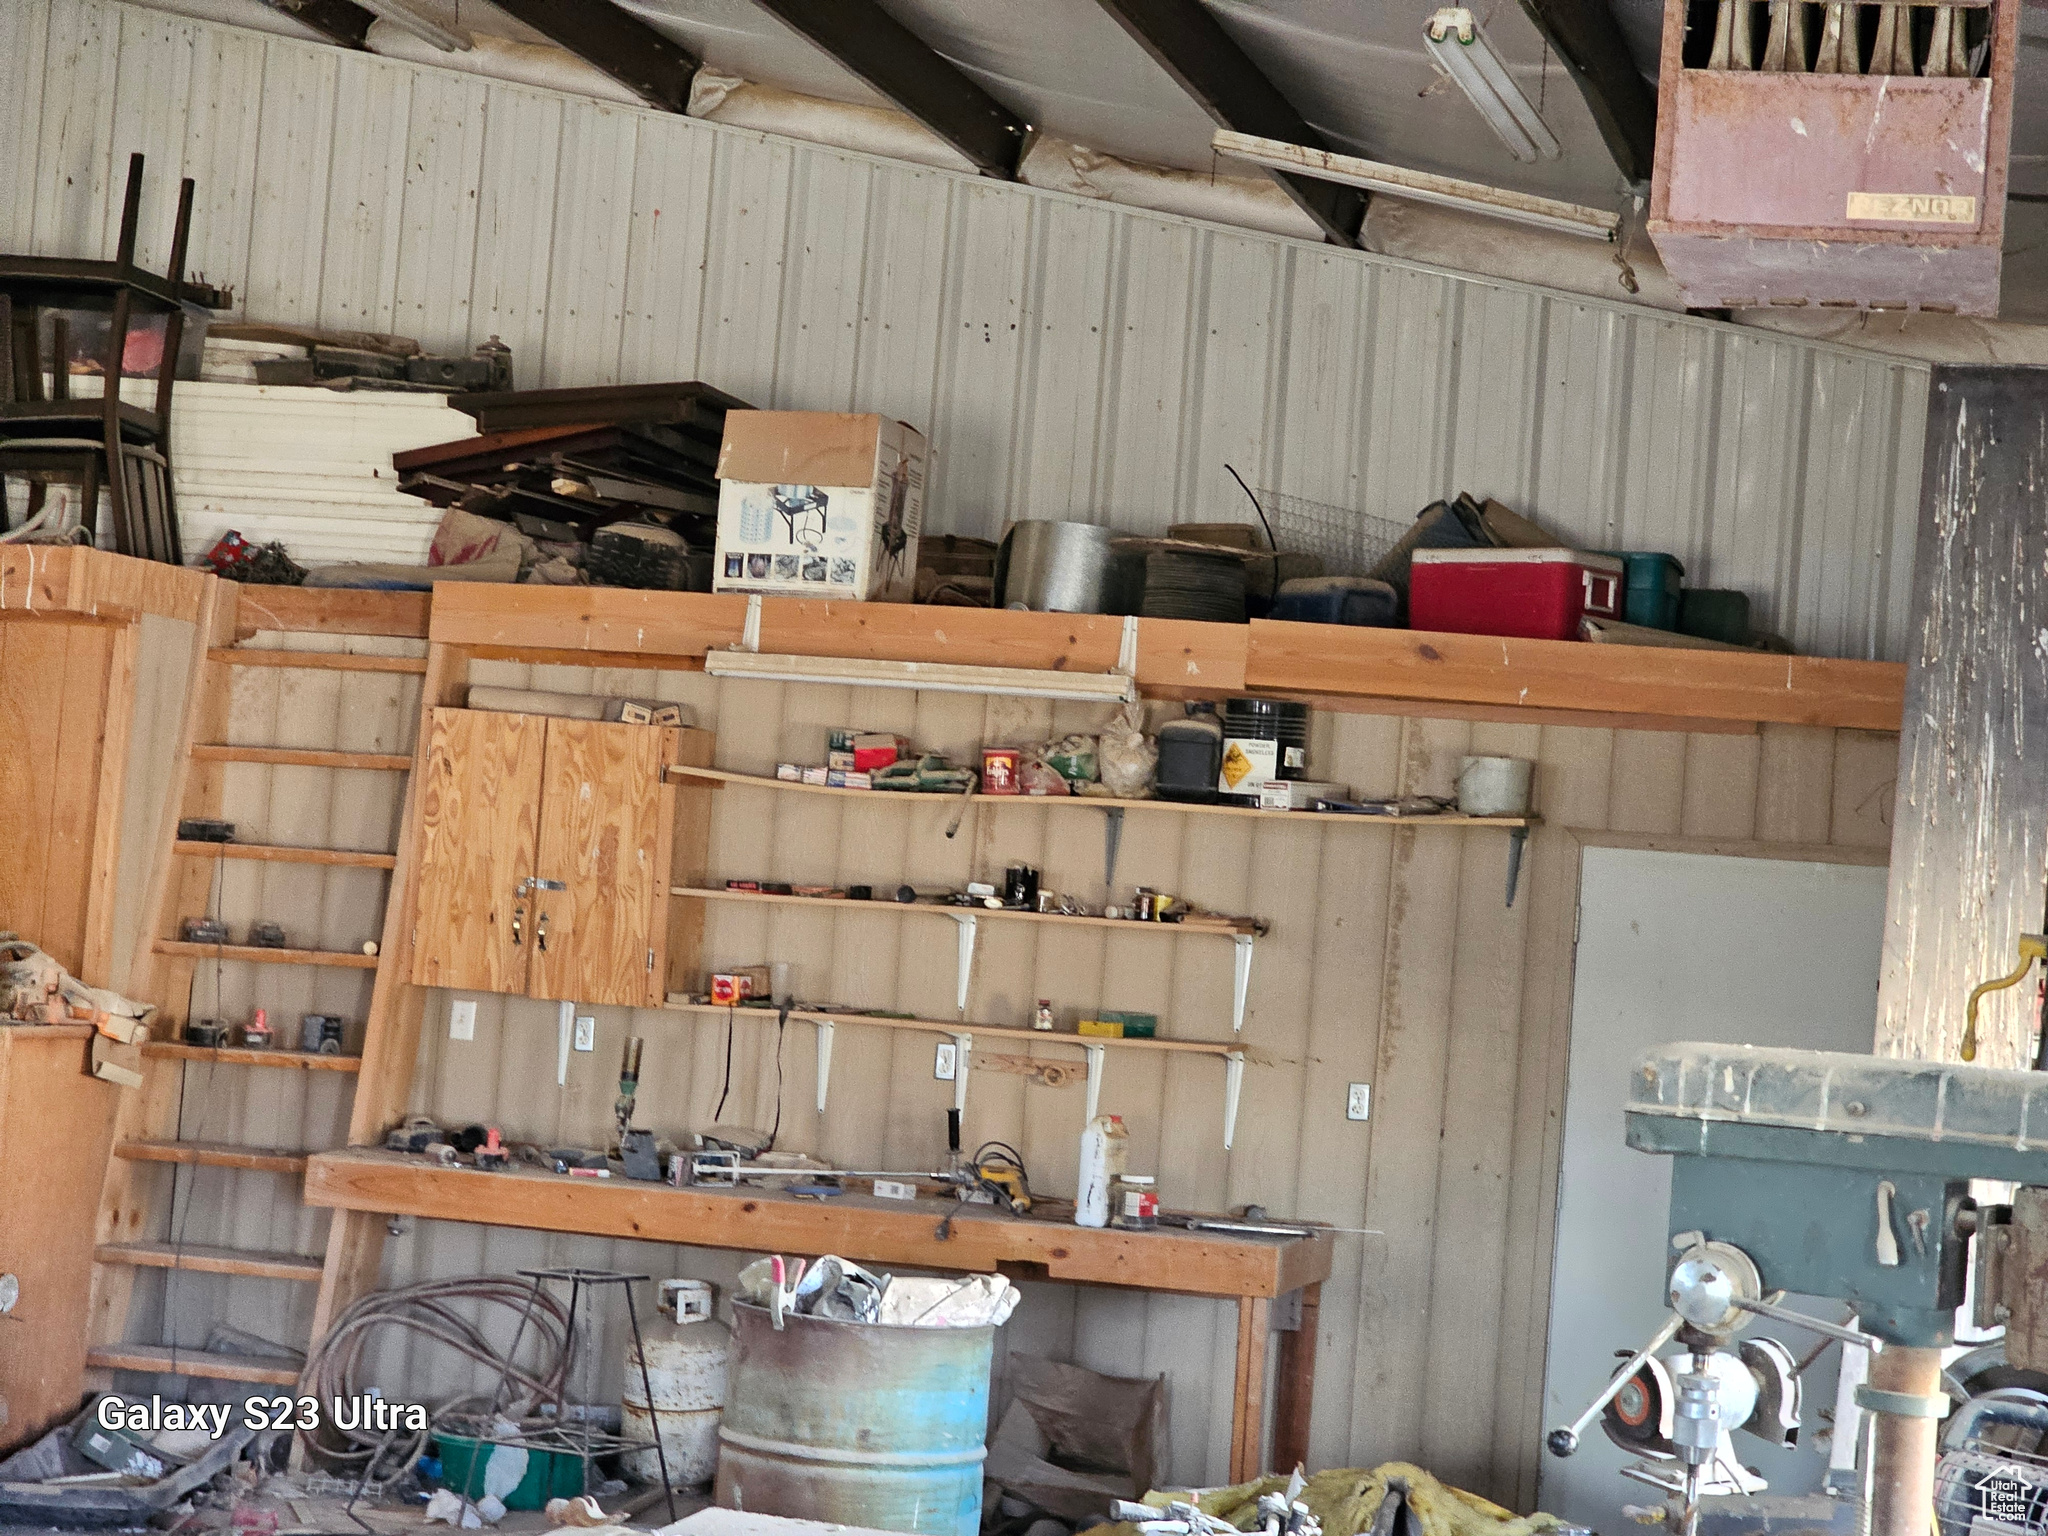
(212, 1154)
(201, 1259)
(161, 1360)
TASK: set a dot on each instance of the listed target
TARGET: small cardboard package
(817, 504)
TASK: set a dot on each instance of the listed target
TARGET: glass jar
(1134, 1202)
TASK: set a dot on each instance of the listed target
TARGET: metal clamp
(1906, 1405)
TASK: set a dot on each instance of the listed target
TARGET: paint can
(1494, 786)
(999, 769)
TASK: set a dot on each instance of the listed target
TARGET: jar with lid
(1134, 1202)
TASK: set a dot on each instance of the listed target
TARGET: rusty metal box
(1854, 190)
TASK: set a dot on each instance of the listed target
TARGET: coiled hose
(433, 1310)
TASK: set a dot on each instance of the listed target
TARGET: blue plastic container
(1650, 588)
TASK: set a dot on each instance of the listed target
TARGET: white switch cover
(462, 1019)
(586, 1032)
(946, 1062)
(1358, 1106)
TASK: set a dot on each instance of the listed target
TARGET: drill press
(1821, 1174)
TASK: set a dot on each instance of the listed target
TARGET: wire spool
(1185, 583)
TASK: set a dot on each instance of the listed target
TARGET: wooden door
(606, 832)
(479, 822)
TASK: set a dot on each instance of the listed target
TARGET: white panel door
(1682, 946)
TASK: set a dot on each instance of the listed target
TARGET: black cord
(718, 1114)
(781, 1029)
(1271, 542)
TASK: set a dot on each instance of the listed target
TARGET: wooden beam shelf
(212, 1154)
(296, 757)
(317, 661)
(1336, 666)
(275, 854)
(1207, 924)
(722, 776)
(241, 1056)
(964, 1032)
(257, 954)
(212, 1261)
(163, 1360)
(857, 1226)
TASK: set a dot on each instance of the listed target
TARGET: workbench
(1253, 1270)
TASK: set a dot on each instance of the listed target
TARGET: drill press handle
(1565, 1439)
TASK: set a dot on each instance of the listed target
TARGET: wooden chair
(47, 435)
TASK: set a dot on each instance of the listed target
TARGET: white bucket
(1494, 786)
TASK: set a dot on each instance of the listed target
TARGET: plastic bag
(1129, 758)
(1073, 756)
(1038, 777)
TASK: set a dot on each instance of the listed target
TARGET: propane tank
(687, 1350)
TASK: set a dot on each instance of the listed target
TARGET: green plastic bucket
(549, 1474)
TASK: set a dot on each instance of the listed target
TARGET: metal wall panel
(1069, 359)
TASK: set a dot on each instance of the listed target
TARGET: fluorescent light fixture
(1461, 50)
(1421, 187)
(929, 676)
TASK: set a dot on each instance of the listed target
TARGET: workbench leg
(1248, 1412)
(1296, 1386)
(355, 1259)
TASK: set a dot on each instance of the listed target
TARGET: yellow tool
(2033, 946)
(1005, 1180)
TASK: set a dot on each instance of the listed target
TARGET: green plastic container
(1714, 613)
(549, 1474)
(1650, 588)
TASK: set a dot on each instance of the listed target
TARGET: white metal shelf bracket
(824, 1027)
(969, 924)
(1097, 1056)
(1240, 983)
(750, 629)
(1233, 1085)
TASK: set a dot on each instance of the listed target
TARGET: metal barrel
(856, 1423)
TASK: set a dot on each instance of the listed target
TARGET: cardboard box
(817, 504)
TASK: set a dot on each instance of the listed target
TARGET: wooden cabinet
(545, 851)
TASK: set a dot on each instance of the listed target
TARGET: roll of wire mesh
(434, 1310)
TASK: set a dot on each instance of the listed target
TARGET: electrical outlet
(462, 1019)
(1358, 1105)
(946, 1062)
(586, 1032)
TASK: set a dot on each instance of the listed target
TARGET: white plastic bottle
(1104, 1146)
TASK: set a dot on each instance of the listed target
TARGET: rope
(429, 1310)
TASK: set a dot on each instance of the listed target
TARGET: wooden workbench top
(854, 1226)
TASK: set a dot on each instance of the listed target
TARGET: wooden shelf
(212, 1261)
(161, 1360)
(275, 854)
(317, 661)
(858, 1226)
(212, 1154)
(295, 757)
(257, 955)
(241, 1056)
(1235, 927)
(1096, 803)
(964, 1027)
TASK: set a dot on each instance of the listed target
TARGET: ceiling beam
(1589, 40)
(933, 89)
(1185, 39)
(338, 21)
(645, 62)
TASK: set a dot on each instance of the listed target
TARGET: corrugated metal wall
(1070, 359)
(1392, 961)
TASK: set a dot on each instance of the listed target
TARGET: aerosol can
(687, 1353)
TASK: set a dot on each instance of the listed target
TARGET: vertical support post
(1295, 1384)
(1097, 1054)
(1248, 1399)
(824, 1027)
(1233, 1087)
(1240, 982)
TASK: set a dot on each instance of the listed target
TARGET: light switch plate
(946, 1062)
(586, 1032)
(462, 1019)
(1358, 1104)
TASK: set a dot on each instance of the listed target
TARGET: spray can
(1105, 1145)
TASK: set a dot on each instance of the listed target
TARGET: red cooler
(1532, 594)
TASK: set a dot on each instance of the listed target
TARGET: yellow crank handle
(2032, 947)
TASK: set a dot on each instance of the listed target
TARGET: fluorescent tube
(1462, 51)
(928, 676)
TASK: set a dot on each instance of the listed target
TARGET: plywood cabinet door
(606, 837)
(479, 829)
